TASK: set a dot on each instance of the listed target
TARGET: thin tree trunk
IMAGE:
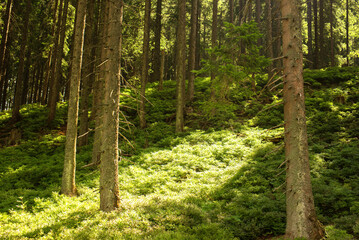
(198, 36)
(87, 73)
(157, 49)
(321, 59)
(192, 50)
(163, 57)
(332, 57)
(6, 79)
(231, 11)
(68, 186)
(109, 185)
(99, 85)
(20, 76)
(57, 70)
(310, 35)
(214, 44)
(180, 65)
(316, 35)
(145, 61)
(301, 217)
(269, 37)
(4, 40)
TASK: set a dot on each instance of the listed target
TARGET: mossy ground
(221, 179)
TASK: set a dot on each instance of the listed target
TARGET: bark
(88, 69)
(321, 59)
(269, 37)
(332, 58)
(301, 217)
(20, 75)
(50, 59)
(4, 41)
(310, 35)
(25, 87)
(99, 86)
(163, 57)
(316, 35)
(57, 69)
(192, 50)
(6, 80)
(180, 65)
(198, 36)
(145, 62)
(109, 185)
(68, 186)
(214, 44)
(157, 50)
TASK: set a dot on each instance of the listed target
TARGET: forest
(179, 119)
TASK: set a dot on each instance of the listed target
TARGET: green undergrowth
(221, 179)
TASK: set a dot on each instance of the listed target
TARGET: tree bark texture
(310, 35)
(192, 50)
(316, 35)
(145, 62)
(180, 65)
(4, 40)
(88, 74)
(68, 186)
(20, 75)
(214, 44)
(109, 185)
(157, 39)
(301, 217)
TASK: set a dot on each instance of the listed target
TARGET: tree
(157, 39)
(68, 186)
(3, 44)
(301, 216)
(88, 68)
(109, 186)
(192, 49)
(20, 75)
(310, 35)
(145, 61)
(180, 66)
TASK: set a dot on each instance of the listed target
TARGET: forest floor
(223, 178)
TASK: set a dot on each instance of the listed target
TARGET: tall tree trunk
(25, 88)
(157, 50)
(20, 75)
(99, 84)
(301, 217)
(316, 35)
(231, 11)
(163, 57)
(68, 186)
(321, 59)
(57, 69)
(4, 40)
(192, 50)
(180, 65)
(310, 34)
(109, 185)
(214, 44)
(6, 79)
(145, 61)
(332, 56)
(50, 59)
(269, 37)
(88, 74)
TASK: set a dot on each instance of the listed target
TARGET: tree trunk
(269, 37)
(68, 186)
(163, 57)
(180, 65)
(157, 50)
(109, 185)
(88, 69)
(310, 35)
(4, 40)
(25, 88)
(20, 75)
(231, 11)
(192, 50)
(214, 44)
(145, 61)
(316, 35)
(57, 70)
(99, 85)
(332, 56)
(321, 60)
(301, 217)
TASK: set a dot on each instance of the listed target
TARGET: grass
(222, 182)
